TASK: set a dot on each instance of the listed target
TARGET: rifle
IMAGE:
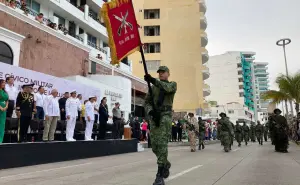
(192, 128)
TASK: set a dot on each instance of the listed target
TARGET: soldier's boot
(246, 143)
(239, 145)
(159, 180)
(166, 171)
(226, 149)
(199, 147)
(193, 150)
(229, 147)
(203, 146)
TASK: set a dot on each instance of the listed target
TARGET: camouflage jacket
(238, 129)
(168, 88)
(259, 128)
(246, 128)
(226, 125)
(201, 126)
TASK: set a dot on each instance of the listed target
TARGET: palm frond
(275, 96)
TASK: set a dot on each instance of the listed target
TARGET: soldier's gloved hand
(155, 117)
(149, 78)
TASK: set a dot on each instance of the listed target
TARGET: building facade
(261, 85)
(173, 33)
(232, 82)
(68, 40)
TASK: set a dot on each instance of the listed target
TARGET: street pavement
(248, 165)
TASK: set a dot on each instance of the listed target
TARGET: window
(152, 14)
(125, 61)
(239, 65)
(105, 44)
(33, 5)
(153, 65)
(92, 41)
(241, 87)
(230, 111)
(241, 94)
(152, 47)
(241, 80)
(61, 20)
(93, 67)
(240, 72)
(152, 30)
(6, 54)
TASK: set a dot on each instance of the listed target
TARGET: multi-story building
(67, 39)
(173, 33)
(261, 85)
(232, 84)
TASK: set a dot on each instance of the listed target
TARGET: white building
(232, 85)
(261, 85)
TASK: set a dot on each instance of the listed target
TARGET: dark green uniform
(280, 132)
(201, 133)
(266, 131)
(252, 133)
(226, 132)
(161, 121)
(232, 136)
(246, 131)
(259, 130)
(238, 133)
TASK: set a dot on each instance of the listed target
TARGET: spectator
(136, 129)
(39, 101)
(179, 130)
(24, 7)
(3, 108)
(51, 109)
(12, 92)
(174, 132)
(144, 129)
(40, 18)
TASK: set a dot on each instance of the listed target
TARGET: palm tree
(277, 97)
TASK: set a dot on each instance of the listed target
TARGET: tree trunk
(292, 110)
(286, 109)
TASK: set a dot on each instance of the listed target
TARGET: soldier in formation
(159, 108)
(226, 131)
(271, 125)
(259, 130)
(252, 132)
(232, 136)
(192, 126)
(238, 133)
(280, 132)
(201, 133)
(246, 133)
(266, 132)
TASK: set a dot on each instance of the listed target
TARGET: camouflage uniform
(161, 121)
(259, 130)
(271, 125)
(252, 133)
(192, 135)
(201, 133)
(232, 137)
(246, 133)
(238, 133)
(226, 132)
(266, 131)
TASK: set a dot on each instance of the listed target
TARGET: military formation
(159, 107)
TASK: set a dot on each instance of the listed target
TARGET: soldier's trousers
(259, 137)
(226, 140)
(159, 139)
(192, 138)
(238, 137)
(201, 137)
(266, 136)
(246, 137)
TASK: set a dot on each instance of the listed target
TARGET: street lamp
(283, 43)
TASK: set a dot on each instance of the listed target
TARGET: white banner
(24, 76)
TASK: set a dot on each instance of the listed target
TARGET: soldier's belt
(165, 108)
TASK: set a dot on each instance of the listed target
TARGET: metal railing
(97, 47)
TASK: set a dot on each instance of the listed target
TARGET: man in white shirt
(39, 103)
(89, 118)
(96, 110)
(52, 112)
(12, 92)
(72, 108)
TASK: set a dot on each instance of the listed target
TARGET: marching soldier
(25, 109)
(73, 105)
(238, 133)
(201, 133)
(259, 130)
(159, 107)
(252, 132)
(193, 127)
(246, 133)
(226, 131)
(266, 131)
(280, 132)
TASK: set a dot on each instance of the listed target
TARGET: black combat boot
(166, 171)
(199, 147)
(239, 145)
(159, 177)
(203, 146)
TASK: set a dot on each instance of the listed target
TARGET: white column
(78, 2)
(67, 24)
(85, 38)
(86, 12)
(101, 43)
(77, 29)
(50, 15)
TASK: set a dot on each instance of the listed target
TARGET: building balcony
(205, 57)
(204, 40)
(206, 90)
(203, 23)
(80, 16)
(202, 6)
(205, 73)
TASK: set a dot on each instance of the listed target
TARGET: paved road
(248, 165)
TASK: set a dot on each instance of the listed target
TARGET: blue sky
(256, 25)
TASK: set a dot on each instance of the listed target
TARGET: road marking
(236, 149)
(71, 166)
(182, 173)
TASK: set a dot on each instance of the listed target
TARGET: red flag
(122, 29)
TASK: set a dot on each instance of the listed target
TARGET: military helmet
(163, 69)
(222, 113)
(277, 110)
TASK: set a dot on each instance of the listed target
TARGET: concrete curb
(184, 143)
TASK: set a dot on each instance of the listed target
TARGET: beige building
(173, 33)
